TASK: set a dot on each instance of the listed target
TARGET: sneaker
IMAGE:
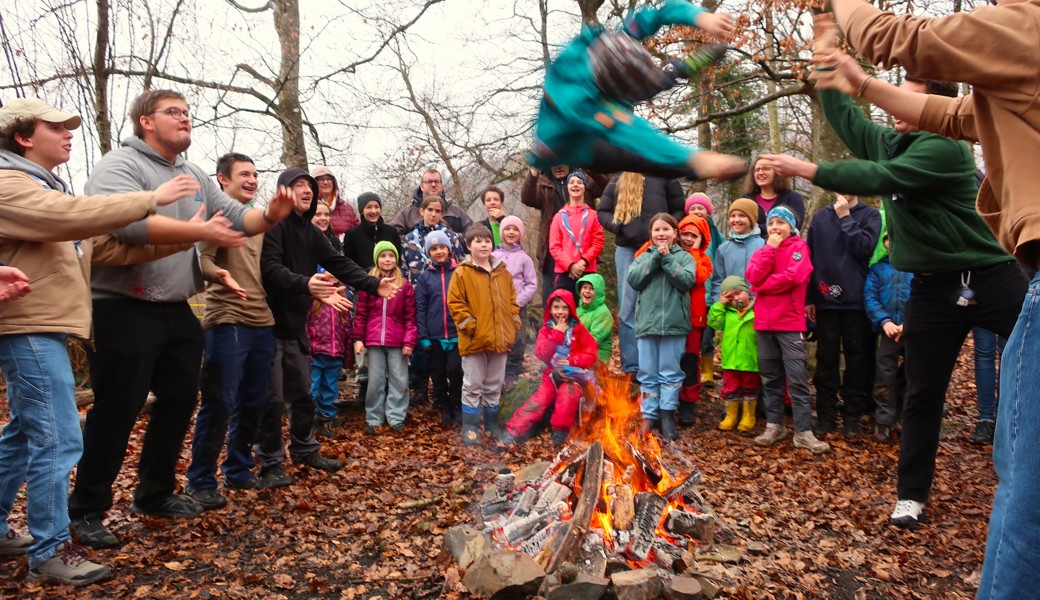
(207, 499)
(883, 434)
(174, 506)
(317, 461)
(250, 483)
(92, 533)
(274, 477)
(559, 438)
(69, 566)
(774, 433)
(908, 514)
(983, 434)
(14, 544)
(806, 439)
(853, 429)
(398, 428)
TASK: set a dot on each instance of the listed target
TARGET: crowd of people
(300, 289)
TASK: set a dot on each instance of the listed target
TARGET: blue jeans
(42, 441)
(233, 382)
(325, 372)
(387, 398)
(660, 375)
(986, 345)
(623, 258)
(1013, 547)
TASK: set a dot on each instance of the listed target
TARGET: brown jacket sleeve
(110, 251)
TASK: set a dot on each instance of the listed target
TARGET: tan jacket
(35, 226)
(994, 48)
(484, 308)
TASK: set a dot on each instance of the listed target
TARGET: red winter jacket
(698, 295)
(583, 224)
(583, 346)
(382, 322)
(779, 278)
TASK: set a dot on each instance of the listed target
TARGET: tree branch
(797, 88)
(267, 6)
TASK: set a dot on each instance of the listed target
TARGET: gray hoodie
(133, 167)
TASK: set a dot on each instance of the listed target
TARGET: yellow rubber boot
(747, 420)
(707, 368)
(732, 411)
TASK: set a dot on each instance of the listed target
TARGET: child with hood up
(569, 352)
(694, 237)
(594, 314)
(734, 316)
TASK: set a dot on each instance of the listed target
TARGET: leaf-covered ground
(359, 534)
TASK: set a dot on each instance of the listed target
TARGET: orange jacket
(698, 304)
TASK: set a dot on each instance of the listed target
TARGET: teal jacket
(663, 284)
(739, 346)
(928, 186)
(595, 316)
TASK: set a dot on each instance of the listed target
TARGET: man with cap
(361, 240)
(289, 266)
(344, 216)
(46, 241)
(145, 333)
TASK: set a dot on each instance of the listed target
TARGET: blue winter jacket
(431, 303)
(732, 258)
(886, 293)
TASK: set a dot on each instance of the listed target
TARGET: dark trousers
(563, 281)
(138, 345)
(419, 371)
(889, 381)
(235, 375)
(847, 331)
(290, 387)
(934, 330)
(446, 376)
(515, 362)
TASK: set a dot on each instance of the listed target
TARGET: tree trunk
(102, 117)
(827, 147)
(287, 86)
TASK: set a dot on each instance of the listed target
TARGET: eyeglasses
(432, 181)
(323, 178)
(763, 169)
(175, 112)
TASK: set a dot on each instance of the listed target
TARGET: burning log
(519, 530)
(685, 489)
(526, 503)
(580, 523)
(650, 468)
(699, 526)
(623, 509)
(534, 544)
(592, 558)
(552, 494)
(666, 554)
(649, 508)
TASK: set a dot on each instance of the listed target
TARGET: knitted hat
(746, 206)
(734, 282)
(514, 221)
(701, 199)
(367, 197)
(436, 238)
(582, 176)
(782, 212)
(382, 247)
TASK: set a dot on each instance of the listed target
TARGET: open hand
(217, 231)
(719, 24)
(281, 204)
(229, 282)
(836, 70)
(714, 165)
(338, 302)
(387, 288)
(175, 189)
(320, 286)
(789, 166)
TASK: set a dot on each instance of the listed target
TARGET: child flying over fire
(569, 352)
(585, 118)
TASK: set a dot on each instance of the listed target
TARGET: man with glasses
(145, 334)
(431, 184)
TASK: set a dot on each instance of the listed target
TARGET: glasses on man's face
(431, 181)
(176, 113)
(323, 178)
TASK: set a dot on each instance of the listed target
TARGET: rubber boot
(732, 413)
(707, 370)
(668, 425)
(470, 428)
(647, 426)
(491, 421)
(747, 420)
(688, 396)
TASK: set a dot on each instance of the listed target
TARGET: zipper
(444, 312)
(382, 332)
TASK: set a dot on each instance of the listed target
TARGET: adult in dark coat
(360, 241)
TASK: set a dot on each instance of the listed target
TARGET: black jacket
(360, 241)
(659, 196)
(292, 251)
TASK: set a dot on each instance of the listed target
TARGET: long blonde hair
(397, 274)
(629, 197)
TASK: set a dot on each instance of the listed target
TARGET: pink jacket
(344, 217)
(382, 322)
(328, 333)
(582, 222)
(779, 278)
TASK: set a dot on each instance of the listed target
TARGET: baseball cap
(34, 108)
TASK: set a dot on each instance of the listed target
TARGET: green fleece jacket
(928, 186)
(739, 348)
(595, 315)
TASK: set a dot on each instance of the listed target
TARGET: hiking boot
(323, 428)
(397, 428)
(559, 438)
(823, 429)
(370, 430)
(853, 429)
(92, 533)
(668, 425)
(470, 428)
(207, 499)
(274, 477)
(908, 514)
(747, 419)
(69, 566)
(249, 483)
(14, 544)
(732, 415)
(773, 433)
(687, 414)
(174, 506)
(806, 439)
(883, 434)
(317, 461)
(983, 434)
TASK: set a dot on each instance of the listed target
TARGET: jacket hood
(567, 297)
(417, 196)
(138, 144)
(9, 161)
(451, 264)
(599, 285)
(289, 176)
(695, 223)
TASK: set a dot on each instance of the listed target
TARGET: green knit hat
(382, 247)
(734, 282)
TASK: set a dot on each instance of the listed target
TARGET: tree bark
(102, 74)
(287, 87)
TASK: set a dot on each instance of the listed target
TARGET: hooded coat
(660, 195)
(576, 234)
(483, 305)
(663, 283)
(583, 346)
(548, 195)
(388, 322)
(698, 303)
(431, 302)
(525, 279)
(732, 258)
(595, 315)
(779, 278)
(739, 343)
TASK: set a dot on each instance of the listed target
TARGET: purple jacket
(328, 333)
(779, 278)
(521, 267)
(382, 322)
